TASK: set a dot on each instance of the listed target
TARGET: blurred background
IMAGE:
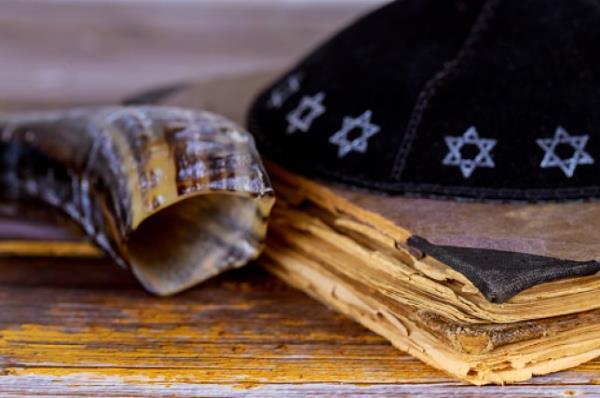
(62, 52)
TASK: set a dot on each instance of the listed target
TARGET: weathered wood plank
(72, 315)
(83, 327)
(72, 387)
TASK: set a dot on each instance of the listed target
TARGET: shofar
(175, 195)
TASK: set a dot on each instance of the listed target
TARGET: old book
(356, 260)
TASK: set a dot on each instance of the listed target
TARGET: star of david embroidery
(301, 118)
(358, 144)
(568, 166)
(468, 166)
(284, 91)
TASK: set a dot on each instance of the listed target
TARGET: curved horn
(174, 195)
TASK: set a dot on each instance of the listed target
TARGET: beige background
(97, 51)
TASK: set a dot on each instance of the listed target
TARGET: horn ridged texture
(175, 195)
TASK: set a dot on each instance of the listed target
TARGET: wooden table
(84, 328)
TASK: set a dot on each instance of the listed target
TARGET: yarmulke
(460, 98)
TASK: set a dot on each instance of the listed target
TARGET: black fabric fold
(500, 275)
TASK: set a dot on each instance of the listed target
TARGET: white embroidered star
(568, 166)
(310, 108)
(285, 90)
(468, 166)
(360, 143)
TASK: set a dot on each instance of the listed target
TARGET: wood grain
(84, 328)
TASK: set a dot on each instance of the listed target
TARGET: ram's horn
(175, 195)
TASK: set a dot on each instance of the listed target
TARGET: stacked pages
(357, 261)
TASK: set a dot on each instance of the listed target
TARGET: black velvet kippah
(496, 99)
